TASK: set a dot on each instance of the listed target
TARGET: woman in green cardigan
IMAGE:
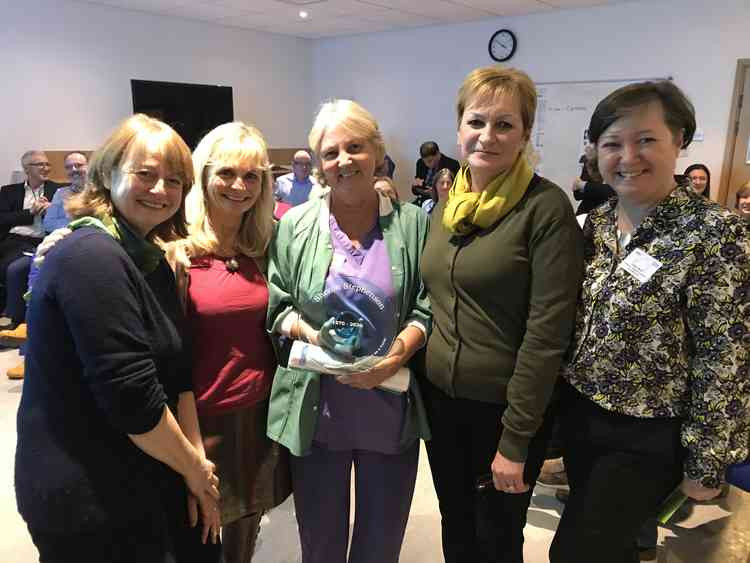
(502, 267)
(344, 274)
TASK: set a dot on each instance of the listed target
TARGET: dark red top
(233, 361)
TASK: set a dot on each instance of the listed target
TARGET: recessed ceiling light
(303, 14)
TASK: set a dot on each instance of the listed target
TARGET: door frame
(743, 68)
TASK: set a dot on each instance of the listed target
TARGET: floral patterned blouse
(677, 344)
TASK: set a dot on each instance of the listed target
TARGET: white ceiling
(328, 18)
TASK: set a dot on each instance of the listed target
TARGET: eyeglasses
(151, 177)
(306, 164)
(74, 166)
(39, 164)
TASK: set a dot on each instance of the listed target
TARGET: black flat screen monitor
(191, 109)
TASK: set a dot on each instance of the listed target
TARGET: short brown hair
(129, 139)
(679, 113)
(744, 191)
(489, 81)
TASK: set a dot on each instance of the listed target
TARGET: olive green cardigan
(504, 305)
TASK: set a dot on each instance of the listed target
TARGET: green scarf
(144, 253)
(467, 211)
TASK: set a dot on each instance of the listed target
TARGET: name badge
(640, 265)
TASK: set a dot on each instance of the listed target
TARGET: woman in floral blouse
(657, 386)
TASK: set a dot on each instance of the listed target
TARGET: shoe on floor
(13, 338)
(16, 372)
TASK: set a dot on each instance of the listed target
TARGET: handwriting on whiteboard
(570, 108)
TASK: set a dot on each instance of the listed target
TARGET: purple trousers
(384, 486)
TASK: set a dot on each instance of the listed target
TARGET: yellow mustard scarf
(466, 211)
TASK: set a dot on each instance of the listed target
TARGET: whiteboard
(562, 117)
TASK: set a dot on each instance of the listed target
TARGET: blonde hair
(228, 144)
(486, 83)
(354, 120)
(136, 136)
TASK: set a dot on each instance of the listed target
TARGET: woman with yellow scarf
(503, 265)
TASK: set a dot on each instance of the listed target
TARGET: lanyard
(36, 194)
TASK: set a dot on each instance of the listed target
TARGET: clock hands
(502, 45)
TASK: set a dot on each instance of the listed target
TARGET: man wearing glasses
(22, 209)
(17, 273)
(294, 188)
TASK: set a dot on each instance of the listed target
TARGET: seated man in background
(76, 168)
(431, 161)
(22, 209)
(588, 188)
(294, 188)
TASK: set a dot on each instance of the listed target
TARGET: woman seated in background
(344, 275)
(502, 267)
(440, 189)
(220, 272)
(742, 205)
(700, 179)
(101, 462)
(657, 391)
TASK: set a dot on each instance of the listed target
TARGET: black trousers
(161, 538)
(12, 247)
(620, 468)
(477, 527)
(125, 545)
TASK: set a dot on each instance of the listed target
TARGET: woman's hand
(385, 368)
(696, 491)
(211, 519)
(192, 505)
(507, 475)
(40, 205)
(203, 485)
(201, 479)
(167, 443)
(49, 241)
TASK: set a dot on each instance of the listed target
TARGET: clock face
(502, 45)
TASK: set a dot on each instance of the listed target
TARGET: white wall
(66, 69)
(408, 79)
